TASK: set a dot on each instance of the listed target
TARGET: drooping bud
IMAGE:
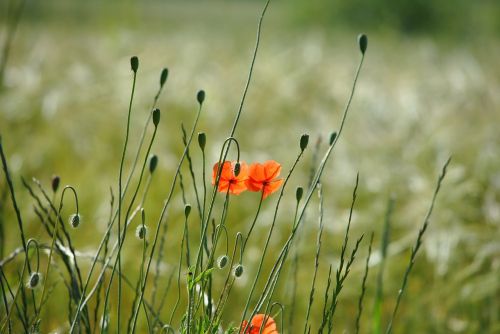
(153, 162)
(141, 232)
(56, 180)
(202, 140)
(238, 270)
(332, 137)
(134, 63)
(237, 169)
(34, 280)
(222, 261)
(156, 116)
(163, 76)
(74, 220)
(304, 140)
(363, 42)
(187, 210)
(298, 193)
(200, 96)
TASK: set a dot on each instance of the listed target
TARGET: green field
(421, 97)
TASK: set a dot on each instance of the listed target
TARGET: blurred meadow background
(430, 88)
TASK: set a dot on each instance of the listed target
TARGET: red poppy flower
(228, 181)
(262, 177)
(257, 323)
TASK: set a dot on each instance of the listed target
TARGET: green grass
(419, 100)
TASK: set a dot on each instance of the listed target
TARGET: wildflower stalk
(418, 243)
(167, 202)
(316, 258)
(363, 286)
(379, 292)
(134, 64)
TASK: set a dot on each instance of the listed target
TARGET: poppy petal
(256, 172)
(272, 186)
(272, 169)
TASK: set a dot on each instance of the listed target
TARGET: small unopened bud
(200, 96)
(141, 232)
(163, 76)
(298, 193)
(222, 261)
(187, 210)
(156, 116)
(238, 270)
(134, 63)
(153, 162)
(56, 180)
(237, 169)
(304, 140)
(332, 137)
(202, 140)
(363, 42)
(74, 220)
(34, 280)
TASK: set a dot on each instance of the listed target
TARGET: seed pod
(363, 43)
(153, 162)
(200, 96)
(304, 140)
(134, 63)
(156, 116)
(163, 76)
(33, 280)
(56, 180)
(202, 140)
(298, 193)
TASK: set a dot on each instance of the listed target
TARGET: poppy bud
(153, 162)
(55, 182)
(134, 63)
(222, 261)
(187, 210)
(303, 141)
(202, 140)
(33, 280)
(332, 137)
(141, 232)
(238, 270)
(298, 193)
(363, 42)
(74, 220)
(237, 168)
(163, 76)
(200, 96)
(156, 116)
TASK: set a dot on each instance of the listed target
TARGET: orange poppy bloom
(262, 177)
(257, 323)
(228, 181)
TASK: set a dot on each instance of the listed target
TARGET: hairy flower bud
(134, 63)
(74, 220)
(238, 270)
(304, 140)
(200, 96)
(222, 261)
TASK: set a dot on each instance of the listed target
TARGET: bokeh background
(429, 89)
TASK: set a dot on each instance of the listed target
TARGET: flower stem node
(238, 270)
(363, 42)
(222, 261)
(134, 63)
(304, 140)
(156, 117)
(75, 220)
